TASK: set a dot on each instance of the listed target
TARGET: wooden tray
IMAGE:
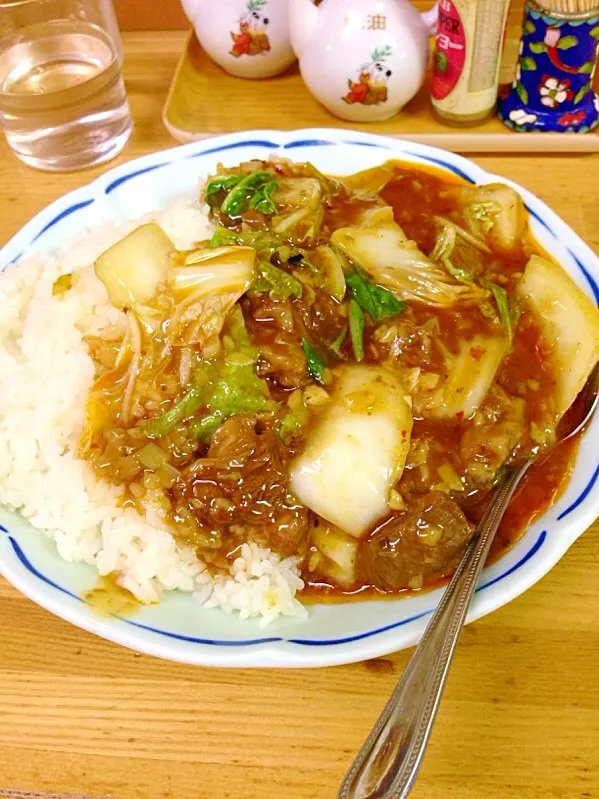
(204, 100)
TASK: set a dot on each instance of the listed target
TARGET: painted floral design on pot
(552, 89)
(371, 86)
(251, 38)
(520, 117)
(572, 118)
(554, 92)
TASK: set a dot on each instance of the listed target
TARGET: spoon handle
(387, 764)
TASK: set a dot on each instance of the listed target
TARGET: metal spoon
(388, 762)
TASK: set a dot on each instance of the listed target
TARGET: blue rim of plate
(419, 155)
(26, 563)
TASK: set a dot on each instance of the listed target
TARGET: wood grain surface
(154, 15)
(520, 717)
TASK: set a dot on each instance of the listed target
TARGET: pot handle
(429, 18)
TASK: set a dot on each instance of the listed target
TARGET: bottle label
(450, 51)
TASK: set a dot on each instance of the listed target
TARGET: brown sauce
(108, 598)
(235, 487)
(540, 488)
(416, 197)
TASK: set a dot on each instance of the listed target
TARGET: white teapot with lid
(362, 59)
(248, 38)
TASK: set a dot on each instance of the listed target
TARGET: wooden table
(520, 718)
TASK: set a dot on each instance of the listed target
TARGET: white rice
(45, 375)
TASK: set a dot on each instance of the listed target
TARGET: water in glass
(62, 98)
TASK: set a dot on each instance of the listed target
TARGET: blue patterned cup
(552, 90)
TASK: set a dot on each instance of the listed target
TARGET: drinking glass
(62, 98)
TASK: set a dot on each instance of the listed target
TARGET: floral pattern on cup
(371, 86)
(552, 88)
(251, 37)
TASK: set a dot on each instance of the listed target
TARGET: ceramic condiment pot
(361, 59)
(248, 38)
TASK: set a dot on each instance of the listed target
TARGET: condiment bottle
(467, 59)
(553, 86)
(248, 38)
(362, 60)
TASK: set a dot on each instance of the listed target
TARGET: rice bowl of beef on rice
(288, 396)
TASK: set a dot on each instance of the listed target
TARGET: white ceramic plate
(180, 629)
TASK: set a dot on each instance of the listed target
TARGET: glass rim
(6, 5)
